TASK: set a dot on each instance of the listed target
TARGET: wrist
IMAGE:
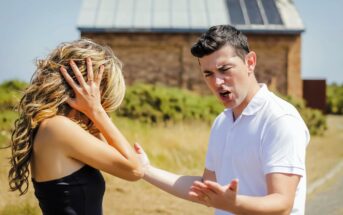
(96, 112)
(237, 205)
(147, 169)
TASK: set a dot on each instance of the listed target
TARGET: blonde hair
(46, 97)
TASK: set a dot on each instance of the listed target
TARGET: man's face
(227, 75)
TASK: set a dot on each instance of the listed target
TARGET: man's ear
(250, 60)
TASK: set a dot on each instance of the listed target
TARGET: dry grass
(180, 148)
(325, 152)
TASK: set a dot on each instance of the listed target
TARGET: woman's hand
(142, 157)
(87, 94)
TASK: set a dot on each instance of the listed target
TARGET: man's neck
(236, 112)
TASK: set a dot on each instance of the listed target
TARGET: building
(314, 93)
(153, 37)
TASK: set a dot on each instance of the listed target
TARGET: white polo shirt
(269, 136)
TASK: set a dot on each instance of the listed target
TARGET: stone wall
(166, 59)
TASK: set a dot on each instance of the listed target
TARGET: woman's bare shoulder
(58, 127)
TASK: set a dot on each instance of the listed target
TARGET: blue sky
(30, 29)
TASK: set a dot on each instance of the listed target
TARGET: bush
(10, 93)
(314, 119)
(157, 104)
(154, 104)
(334, 97)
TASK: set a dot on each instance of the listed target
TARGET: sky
(30, 29)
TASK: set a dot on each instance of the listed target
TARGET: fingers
(69, 79)
(142, 157)
(203, 188)
(90, 74)
(201, 192)
(215, 187)
(99, 76)
(138, 148)
(77, 73)
(234, 185)
(196, 197)
(71, 102)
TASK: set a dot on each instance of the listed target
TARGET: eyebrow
(224, 66)
(219, 68)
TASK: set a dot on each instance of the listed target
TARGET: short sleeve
(284, 145)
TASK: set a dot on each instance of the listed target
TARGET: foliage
(10, 93)
(155, 104)
(334, 97)
(314, 119)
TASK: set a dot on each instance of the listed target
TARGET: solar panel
(272, 12)
(235, 12)
(253, 12)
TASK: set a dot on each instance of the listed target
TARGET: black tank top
(80, 193)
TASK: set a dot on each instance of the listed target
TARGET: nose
(219, 79)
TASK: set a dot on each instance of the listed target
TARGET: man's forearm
(270, 204)
(176, 185)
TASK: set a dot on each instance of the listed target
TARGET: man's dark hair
(218, 36)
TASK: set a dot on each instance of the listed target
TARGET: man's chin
(228, 104)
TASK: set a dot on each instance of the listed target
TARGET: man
(255, 162)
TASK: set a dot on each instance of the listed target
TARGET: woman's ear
(250, 60)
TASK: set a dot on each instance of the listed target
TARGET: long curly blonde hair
(46, 97)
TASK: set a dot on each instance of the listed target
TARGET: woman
(64, 134)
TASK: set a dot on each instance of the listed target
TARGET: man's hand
(215, 195)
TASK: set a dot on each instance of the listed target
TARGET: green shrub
(10, 93)
(334, 99)
(154, 104)
(157, 104)
(314, 119)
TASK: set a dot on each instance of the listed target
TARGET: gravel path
(327, 200)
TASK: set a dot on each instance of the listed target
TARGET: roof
(187, 16)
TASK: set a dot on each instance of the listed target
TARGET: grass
(324, 152)
(179, 148)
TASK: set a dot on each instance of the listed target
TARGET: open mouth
(224, 93)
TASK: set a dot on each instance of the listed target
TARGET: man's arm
(279, 200)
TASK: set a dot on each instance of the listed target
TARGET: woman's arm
(177, 185)
(88, 101)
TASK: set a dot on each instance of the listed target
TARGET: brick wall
(166, 59)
